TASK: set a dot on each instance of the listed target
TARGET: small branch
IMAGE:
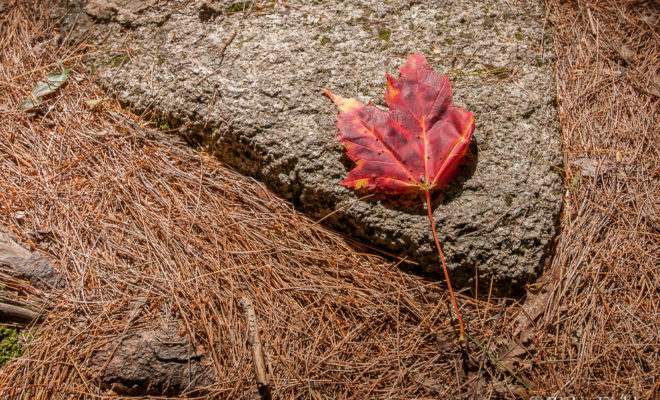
(17, 314)
(257, 351)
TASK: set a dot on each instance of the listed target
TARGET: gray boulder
(152, 362)
(20, 263)
(244, 83)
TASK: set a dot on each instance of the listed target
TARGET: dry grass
(146, 231)
(602, 313)
(140, 223)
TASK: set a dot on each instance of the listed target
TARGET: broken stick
(257, 351)
(9, 312)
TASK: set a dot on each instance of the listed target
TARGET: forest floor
(147, 231)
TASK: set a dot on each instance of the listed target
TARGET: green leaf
(43, 88)
(30, 103)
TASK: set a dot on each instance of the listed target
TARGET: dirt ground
(148, 232)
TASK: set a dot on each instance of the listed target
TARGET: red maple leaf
(414, 148)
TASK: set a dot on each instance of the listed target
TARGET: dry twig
(257, 350)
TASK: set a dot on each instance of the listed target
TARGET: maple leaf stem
(461, 336)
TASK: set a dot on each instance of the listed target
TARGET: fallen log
(12, 313)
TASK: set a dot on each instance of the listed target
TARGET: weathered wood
(9, 312)
(257, 351)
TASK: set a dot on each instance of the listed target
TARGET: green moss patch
(236, 7)
(9, 346)
(384, 34)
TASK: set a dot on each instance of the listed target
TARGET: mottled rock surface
(152, 362)
(20, 263)
(245, 85)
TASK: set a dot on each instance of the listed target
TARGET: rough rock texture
(152, 362)
(21, 263)
(245, 84)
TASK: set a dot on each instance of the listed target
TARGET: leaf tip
(416, 59)
(343, 104)
(391, 92)
(329, 94)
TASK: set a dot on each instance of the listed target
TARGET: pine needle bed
(146, 231)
